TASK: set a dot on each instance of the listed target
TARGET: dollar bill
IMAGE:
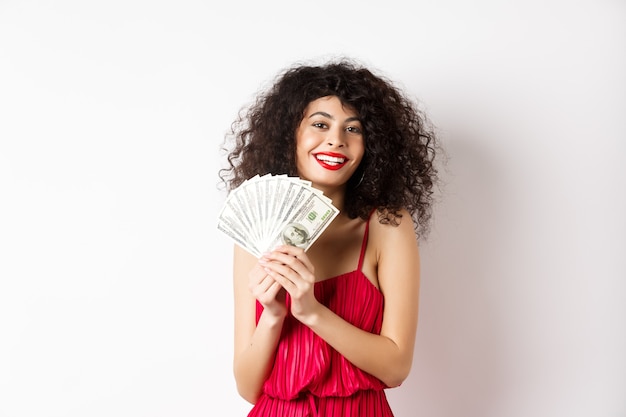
(305, 223)
(271, 210)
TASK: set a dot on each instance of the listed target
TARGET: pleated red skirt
(361, 404)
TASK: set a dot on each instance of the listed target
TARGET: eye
(354, 129)
(320, 125)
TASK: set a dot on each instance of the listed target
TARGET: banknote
(270, 210)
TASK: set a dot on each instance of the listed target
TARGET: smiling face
(329, 143)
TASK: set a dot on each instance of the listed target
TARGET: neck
(336, 194)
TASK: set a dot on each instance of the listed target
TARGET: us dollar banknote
(271, 210)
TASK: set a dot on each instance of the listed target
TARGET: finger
(281, 258)
(294, 251)
(259, 287)
(282, 263)
(285, 271)
(266, 283)
(257, 274)
(292, 282)
(285, 282)
(274, 288)
(271, 295)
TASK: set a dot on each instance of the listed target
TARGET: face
(294, 235)
(329, 143)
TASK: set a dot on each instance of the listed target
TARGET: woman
(324, 332)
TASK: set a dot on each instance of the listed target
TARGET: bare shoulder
(390, 247)
(383, 234)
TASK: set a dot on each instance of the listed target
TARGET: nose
(335, 138)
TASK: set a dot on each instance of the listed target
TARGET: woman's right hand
(256, 339)
(267, 291)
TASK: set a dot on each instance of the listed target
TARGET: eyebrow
(323, 113)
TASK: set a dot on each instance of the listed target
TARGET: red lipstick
(331, 160)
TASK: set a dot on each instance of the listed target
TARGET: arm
(255, 345)
(387, 356)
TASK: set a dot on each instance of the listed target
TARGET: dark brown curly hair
(397, 170)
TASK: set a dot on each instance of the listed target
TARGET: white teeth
(331, 159)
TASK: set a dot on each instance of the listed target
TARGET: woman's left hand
(292, 269)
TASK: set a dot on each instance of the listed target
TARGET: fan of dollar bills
(271, 210)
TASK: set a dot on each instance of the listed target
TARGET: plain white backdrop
(115, 287)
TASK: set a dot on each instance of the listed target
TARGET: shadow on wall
(459, 367)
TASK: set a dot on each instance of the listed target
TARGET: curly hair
(397, 170)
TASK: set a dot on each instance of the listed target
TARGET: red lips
(330, 160)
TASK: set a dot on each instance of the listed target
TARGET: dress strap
(364, 244)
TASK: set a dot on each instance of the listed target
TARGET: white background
(115, 288)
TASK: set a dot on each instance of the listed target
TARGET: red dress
(309, 377)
